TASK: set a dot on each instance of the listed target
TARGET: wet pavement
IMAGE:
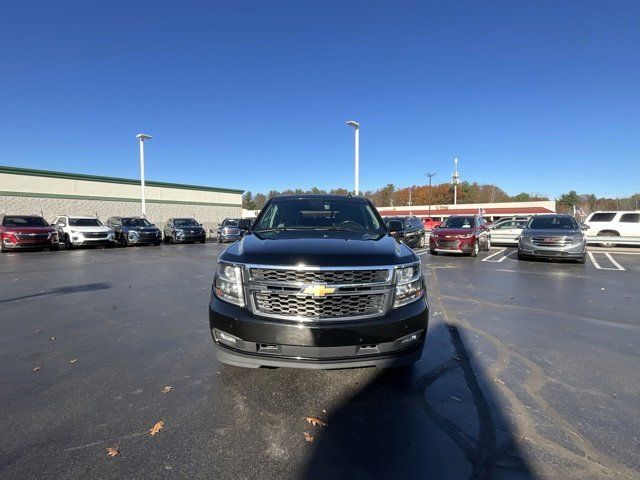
(530, 371)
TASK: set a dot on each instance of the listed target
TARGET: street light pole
(141, 138)
(356, 127)
(430, 175)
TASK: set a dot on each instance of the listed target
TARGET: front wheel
(521, 256)
(487, 244)
(582, 260)
(476, 248)
(67, 243)
(124, 241)
(421, 241)
(54, 247)
(608, 234)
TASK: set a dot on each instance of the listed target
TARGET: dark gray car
(134, 231)
(180, 230)
(552, 236)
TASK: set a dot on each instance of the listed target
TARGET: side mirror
(585, 227)
(153, 224)
(60, 224)
(200, 224)
(395, 226)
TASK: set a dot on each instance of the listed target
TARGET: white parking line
(620, 267)
(487, 259)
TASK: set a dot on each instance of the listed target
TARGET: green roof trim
(114, 199)
(99, 178)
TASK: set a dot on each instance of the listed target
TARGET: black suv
(318, 282)
(134, 231)
(411, 233)
(179, 230)
(232, 229)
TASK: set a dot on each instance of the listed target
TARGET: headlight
(467, 235)
(228, 284)
(179, 231)
(133, 234)
(408, 285)
(576, 238)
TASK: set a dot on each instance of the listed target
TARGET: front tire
(582, 260)
(606, 233)
(521, 256)
(476, 248)
(67, 242)
(124, 241)
(422, 242)
(487, 244)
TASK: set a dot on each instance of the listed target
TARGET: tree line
(442, 194)
(390, 195)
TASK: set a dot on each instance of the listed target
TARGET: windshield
(458, 222)
(230, 222)
(84, 222)
(319, 214)
(563, 223)
(185, 222)
(24, 222)
(136, 222)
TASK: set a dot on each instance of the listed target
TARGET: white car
(82, 231)
(507, 232)
(613, 224)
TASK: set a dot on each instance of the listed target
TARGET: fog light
(225, 338)
(411, 338)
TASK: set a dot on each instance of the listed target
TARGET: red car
(18, 232)
(460, 234)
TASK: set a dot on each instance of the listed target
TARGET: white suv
(614, 224)
(80, 231)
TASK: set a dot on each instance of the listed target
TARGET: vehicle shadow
(446, 423)
(89, 287)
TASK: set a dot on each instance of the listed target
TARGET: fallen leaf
(315, 421)
(52, 338)
(167, 389)
(497, 380)
(308, 437)
(73, 360)
(156, 428)
(38, 331)
(35, 369)
(113, 451)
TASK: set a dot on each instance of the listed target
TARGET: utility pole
(356, 139)
(141, 138)
(455, 181)
(410, 191)
(430, 175)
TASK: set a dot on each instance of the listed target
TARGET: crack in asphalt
(485, 454)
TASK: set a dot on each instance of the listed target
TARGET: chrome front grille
(99, 235)
(300, 277)
(318, 294)
(32, 236)
(551, 241)
(338, 306)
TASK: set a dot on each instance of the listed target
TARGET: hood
(319, 248)
(28, 229)
(453, 231)
(142, 229)
(547, 232)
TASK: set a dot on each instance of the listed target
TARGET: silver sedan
(553, 236)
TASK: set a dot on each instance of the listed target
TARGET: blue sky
(537, 96)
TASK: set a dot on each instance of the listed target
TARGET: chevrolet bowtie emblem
(318, 290)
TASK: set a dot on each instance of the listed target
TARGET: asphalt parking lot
(530, 371)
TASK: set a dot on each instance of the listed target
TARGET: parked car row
(19, 232)
(543, 236)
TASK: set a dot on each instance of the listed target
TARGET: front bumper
(361, 343)
(574, 251)
(144, 240)
(452, 245)
(82, 241)
(191, 237)
(230, 236)
(28, 245)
